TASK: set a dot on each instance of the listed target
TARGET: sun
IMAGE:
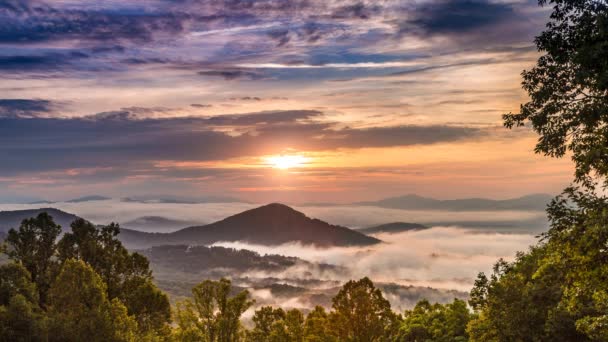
(284, 162)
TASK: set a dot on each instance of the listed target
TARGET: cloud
(233, 74)
(456, 17)
(133, 136)
(32, 21)
(473, 25)
(25, 108)
(39, 63)
(440, 257)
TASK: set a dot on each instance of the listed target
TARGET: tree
(561, 284)
(21, 319)
(79, 309)
(316, 326)
(212, 315)
(436, 322)
(16, 280)
(126, 275)
(361, 313)
(276, 325)
(33, 245)
(294, 325)
(522, 301)
(568, 87)
(149, 305)
(265, 319)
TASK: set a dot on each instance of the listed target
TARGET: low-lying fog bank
(352, 216)
(440, 257)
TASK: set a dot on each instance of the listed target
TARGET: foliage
(361, 313)
(127, 275)
(212, 315)
(22, 320)
(436, 322)
(125, 278)
(79, 309)
(316, 327)
(16, 280)
(559, 290)
(275, 325)
(568, 87)
(33, 245)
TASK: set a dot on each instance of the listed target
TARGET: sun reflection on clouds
(286, 161)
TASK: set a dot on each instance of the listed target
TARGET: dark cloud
(280, 36)
(233, 74)
(29, 21)
(24, 108)
(124, 139)
(457, 16)
(354, 11)
(474, 25)
(33, 63)
(246, 98)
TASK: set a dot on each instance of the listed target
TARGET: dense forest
(85, 285)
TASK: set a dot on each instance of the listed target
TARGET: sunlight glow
(286, 161)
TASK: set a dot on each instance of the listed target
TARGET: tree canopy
(83, 282)
(559, 289)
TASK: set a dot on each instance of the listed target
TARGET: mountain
(181, 199)
(272, 224)
(88, 199)
(534, 202)
(395, 227)
(12, 219)
(157, 224)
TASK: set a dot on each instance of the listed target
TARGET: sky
(269, 100)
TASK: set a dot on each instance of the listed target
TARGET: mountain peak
(273, 224)
(273, 208)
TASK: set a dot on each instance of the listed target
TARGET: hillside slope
(272, 224)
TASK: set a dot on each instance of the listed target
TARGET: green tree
(33, 245)
(436, 322)
(212, 315)
(127, 275)
(16, 280)
(265, 321)
(521, 301)
(79, 309)
(276, 325)
(294, 325)
(361, 313)
(316, 326)
(568, 87)
(22, 320)
(558, 290)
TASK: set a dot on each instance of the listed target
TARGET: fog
(106, 211)
(447, 256)
(439, 257)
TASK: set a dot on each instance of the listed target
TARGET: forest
(85, 285)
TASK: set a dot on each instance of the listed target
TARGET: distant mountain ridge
(157, 224)
(88, 199)
(535, 202)
(12, 219)
(182, 199)
(272, 224)
(394, 227)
